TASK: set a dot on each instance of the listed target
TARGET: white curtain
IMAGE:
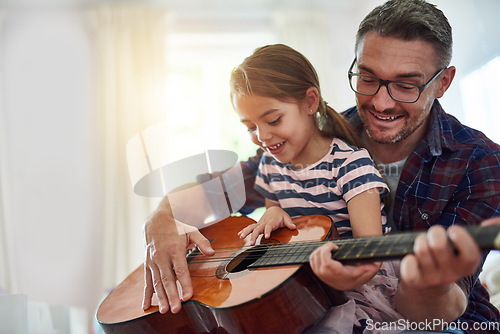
(130, 80)
(7, 274)
(309, 33)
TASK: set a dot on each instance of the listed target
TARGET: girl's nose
(263, 135)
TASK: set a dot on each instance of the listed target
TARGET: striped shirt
(324, 187)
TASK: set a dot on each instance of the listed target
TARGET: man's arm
(166, 240)
(436, 276)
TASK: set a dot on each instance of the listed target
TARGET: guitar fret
(357, 248)
(366, 246)
(485, 236)
(293, 254)
(341, 252)
(381, 240)
(397, 239)
(303, 253)
(407, 245)
(265, 258)
(384, 246)
(284, 255)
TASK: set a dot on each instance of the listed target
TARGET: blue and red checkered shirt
(452, 177)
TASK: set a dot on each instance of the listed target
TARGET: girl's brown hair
(280, 72)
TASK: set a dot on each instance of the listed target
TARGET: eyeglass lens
(398, 90)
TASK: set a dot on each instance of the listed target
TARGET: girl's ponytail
(332, 124)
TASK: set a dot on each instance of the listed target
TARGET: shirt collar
(437, 138)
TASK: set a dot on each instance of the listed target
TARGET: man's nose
(383, 100)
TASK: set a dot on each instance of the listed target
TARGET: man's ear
(445, 81)
(311, 101)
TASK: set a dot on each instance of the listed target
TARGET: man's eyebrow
(402, 75)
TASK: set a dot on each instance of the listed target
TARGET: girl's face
(284, 129)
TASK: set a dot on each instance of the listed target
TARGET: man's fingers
(183, 283)
(491, 221)
(443, 256)
(409, 270)
(159, 283)
(201, 242)
(169, 282)
(148, 288)
(440, 257)
(469, 254)
(181, 269)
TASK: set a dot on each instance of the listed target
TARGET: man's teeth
(391, 118)
(275, 146)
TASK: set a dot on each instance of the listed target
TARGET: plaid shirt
(452, 177)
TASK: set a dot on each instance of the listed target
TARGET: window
(199, 111)
(479, 89)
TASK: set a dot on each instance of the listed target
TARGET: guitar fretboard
(387, 247)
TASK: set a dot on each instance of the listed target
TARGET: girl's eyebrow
(270, 111)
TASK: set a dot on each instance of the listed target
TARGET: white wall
(475, 41)
(52, 206)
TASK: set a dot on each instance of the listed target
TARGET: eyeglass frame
(386, 83)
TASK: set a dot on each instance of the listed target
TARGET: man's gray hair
(411, 20)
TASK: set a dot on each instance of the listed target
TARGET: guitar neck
(380, 248)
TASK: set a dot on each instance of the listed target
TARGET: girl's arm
(274, 218)
(366, 220)
(364, 214)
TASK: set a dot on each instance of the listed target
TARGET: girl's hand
(337, 275)
(272, 219)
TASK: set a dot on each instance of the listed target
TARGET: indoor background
(78, 79)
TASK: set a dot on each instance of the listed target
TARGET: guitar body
(228, 296)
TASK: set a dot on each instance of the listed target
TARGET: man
(440, 172)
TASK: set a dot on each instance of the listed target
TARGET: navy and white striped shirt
(324, 187)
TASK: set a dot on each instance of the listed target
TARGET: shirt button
(424, 216)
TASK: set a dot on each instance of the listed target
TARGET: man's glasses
(399, 91)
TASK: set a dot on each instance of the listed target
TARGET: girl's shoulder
(342, 145)
(345, 154)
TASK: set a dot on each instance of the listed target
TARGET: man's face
(386, 120)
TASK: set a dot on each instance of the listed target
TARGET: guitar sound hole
(246, 258)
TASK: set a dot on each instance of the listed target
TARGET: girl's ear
(311, 101)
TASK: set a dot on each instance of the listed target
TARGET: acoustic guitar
(268, 287)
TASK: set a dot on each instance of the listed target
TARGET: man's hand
(428, 288)
(165, 267)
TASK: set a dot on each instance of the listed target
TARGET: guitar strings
(233, 252)
(278, 250)
(257, 251)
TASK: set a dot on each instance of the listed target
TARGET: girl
(310, 163)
